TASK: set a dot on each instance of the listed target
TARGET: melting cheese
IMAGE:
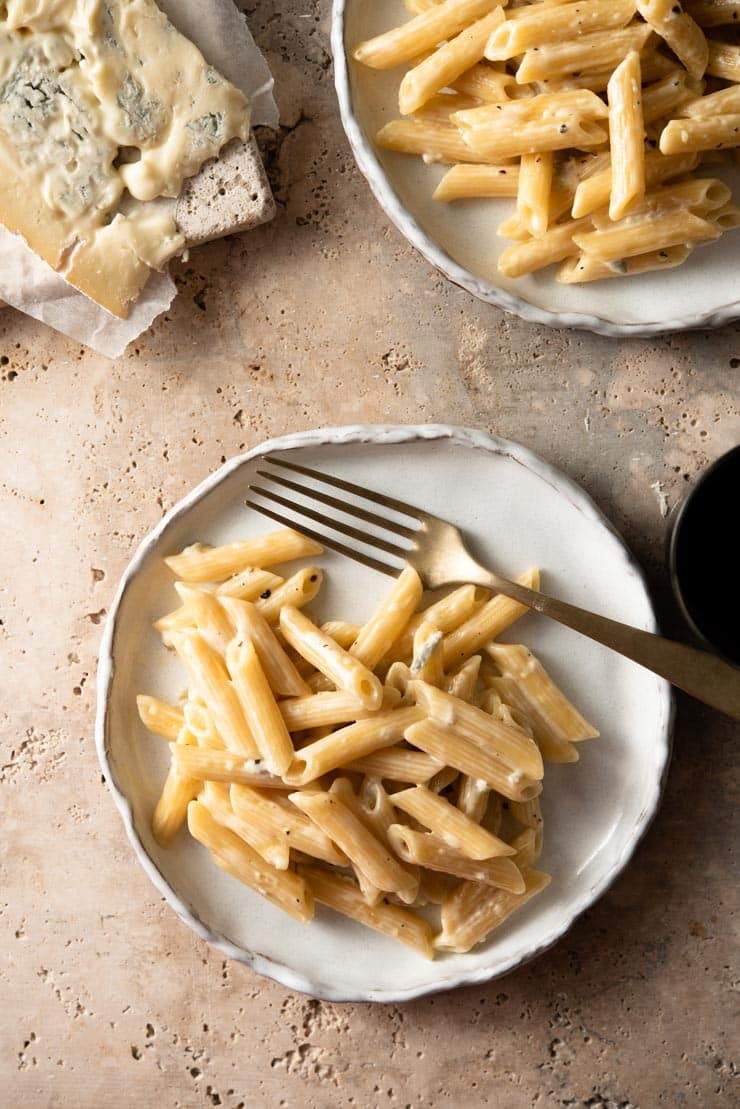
(104, 107)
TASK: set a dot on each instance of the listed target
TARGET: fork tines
(362, 534)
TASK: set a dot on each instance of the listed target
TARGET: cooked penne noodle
(679, 31)
(700, 195)
(444, 778)
(528, 813)
(533, 195)
(199, 563)
(389, 620)
(199, 722)
(214, 765)
(427, 661)
(714, 13)
(250, 623)
(473, 910)
(472, 797)
(724, 102)
(176, 620)
(719, 132)
(159, 717)
(535, 254)
(343, 632)
(331, 707)
(724, 60)
(456, 749)
(494, 617)
(208, 674)
(563, 23)
(451, 825)
(669, 96)
(259, 706)
(593, 192)
(599, 50)
(450, 61)
(527, 686)
(342, 668)
(445, 614)
(509, 744)
(352, 836)
(299, 590)
(250, 584)
(486, 83)
(726, 218)
(583, 268)
(272, 845)
(282, 887)
(626, 136)
(278, 816)
(397, 764)
(424, 32)
(427, 850)
(350, 743)
(464, 182)
(639, 236)
(464, 680)
(435, 142)
(341, 894)
(207, 614)
(179, 789)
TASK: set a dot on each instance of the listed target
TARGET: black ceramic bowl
(704, 556)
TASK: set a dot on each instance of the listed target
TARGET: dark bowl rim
(672, 546)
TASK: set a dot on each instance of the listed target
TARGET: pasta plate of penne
(358, 788)
(572, 161)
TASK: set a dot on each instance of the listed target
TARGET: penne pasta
(159, 717)
(282, 887)
(435, 142)
(352, 836)
(427, 850)
(272, 845)
(389, 620)
(208, 674)
(275, 815)
(718, 132)
(435, 25)
(533, 194)
(583, 268)
(198, 563)
(344, 669)
(353, 742)
(535, 254)
(464, 182)
(473, 910)
(600, 50)
(509, 744)
(298, 591)
(341, 894)
(679, 31)
(536, 28)
(651, 232)
(724, 60)
(626, 136)
(179, 789)
(280, 672)
(445, 65)
(259, 706)
(494, 617)
(250, 584)
(451, 825)
(397, 764)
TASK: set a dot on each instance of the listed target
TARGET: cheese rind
(100, 98)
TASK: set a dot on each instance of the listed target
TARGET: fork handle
(697, 672)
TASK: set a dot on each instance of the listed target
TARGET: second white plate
(460, 238)
(517, 511)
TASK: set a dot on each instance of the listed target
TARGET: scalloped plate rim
(362, 434)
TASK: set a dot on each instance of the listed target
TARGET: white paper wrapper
(221, 34)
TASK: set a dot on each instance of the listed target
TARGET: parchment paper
(220, 32)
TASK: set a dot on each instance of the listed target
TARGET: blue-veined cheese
(104, 106)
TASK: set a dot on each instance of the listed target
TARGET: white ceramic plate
(460, 238)
(519, 512)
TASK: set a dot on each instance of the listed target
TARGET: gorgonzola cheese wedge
(104, 106)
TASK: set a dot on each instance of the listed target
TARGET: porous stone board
(327, 316)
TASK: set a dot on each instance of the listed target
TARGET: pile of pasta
(377, 768)
(592, 113)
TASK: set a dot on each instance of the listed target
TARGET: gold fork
(435, 548)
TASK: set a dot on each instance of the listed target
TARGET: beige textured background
(327, 316)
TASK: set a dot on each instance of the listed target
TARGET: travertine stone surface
(327, 316)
